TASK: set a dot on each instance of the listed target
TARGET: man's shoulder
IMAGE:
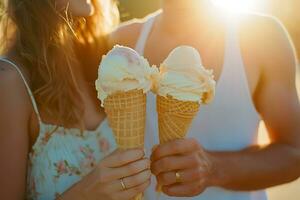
(260, 24)
(263, 34)
(268, 43)
(128, 32)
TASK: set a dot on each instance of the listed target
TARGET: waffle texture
(174, 117)
(126, 112)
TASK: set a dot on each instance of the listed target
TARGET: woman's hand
(120, 176)
(182, 167)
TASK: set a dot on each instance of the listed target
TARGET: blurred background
(286, 10)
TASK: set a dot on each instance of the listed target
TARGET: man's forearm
(255, 168)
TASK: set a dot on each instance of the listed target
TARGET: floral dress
(61, 157)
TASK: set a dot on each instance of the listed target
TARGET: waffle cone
(174, 117)
(126, 112)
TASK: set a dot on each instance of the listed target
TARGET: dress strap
(34, 104)
(146, 29)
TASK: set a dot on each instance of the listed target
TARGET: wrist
(216, 177)
(73, 193)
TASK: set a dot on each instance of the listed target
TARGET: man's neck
(184, 14)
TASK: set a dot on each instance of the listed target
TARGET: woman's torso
(60, 157)
(230, 122)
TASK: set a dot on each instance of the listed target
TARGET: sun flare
(237, 5)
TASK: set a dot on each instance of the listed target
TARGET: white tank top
(229, 123)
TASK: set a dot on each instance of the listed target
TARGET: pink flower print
(57, 195)
(104, 145)
(46, 138)
(88, 153)
(82, 149)
(32, 193)
(61, 167)
(87, 165)
(89, 161)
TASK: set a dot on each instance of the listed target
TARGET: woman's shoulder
(128, 32)
(12, 89)
(9, 76)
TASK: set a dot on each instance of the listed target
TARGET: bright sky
(239, 5)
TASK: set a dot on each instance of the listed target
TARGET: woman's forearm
(255, 168)
(72, 194)
(78, 190)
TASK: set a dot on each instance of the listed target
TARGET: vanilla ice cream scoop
(183, 77)
(122, 70)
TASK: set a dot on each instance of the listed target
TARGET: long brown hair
(49, 44)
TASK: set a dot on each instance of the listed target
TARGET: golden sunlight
(237, 5)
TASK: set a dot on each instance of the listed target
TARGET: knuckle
(138, 189)
(167, 179)
(146, 175)
(198, 172)
(162, 178)
(100, 174)
(136, 180)
(178, 146)
(137, 154)
(148, 183)
(196, 160)
(131, 182)
(145, 164)
(132, 168)
(175, 145)
(102, 178)
(138, 166)
(157, 150)
(165, 189)
(148, 164)
(194, 143)
(164, 163)
(121, 158)
(142, 187)
(199, 187)
(194, 190)
(141, 153)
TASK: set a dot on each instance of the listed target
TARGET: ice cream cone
(126, 112)
(174, 117)
(124, 78)
(174, 120)
(181, 86)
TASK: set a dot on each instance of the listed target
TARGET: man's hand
(182, 167)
